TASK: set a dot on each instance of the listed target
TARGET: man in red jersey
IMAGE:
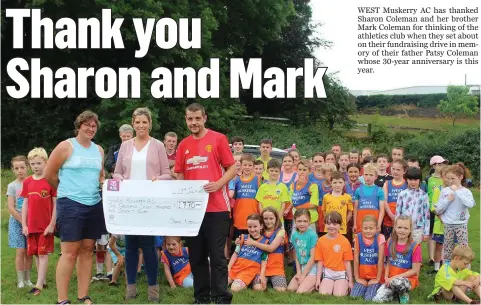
(206, 155)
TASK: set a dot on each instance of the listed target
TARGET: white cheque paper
(159, 208)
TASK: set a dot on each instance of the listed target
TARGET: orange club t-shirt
(333, 252)
(205, 159)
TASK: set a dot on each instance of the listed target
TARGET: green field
(416, 122)
(103, 294)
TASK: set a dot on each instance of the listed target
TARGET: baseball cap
(437, 160)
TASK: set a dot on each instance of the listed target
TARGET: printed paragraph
(401, 36)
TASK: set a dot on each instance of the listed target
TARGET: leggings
(398, 287)
(453, 233)
(132, 245)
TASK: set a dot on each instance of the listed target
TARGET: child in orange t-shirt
(368, 260)
(333, 254)
(391, 190)
(404, 260)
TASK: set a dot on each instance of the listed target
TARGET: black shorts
(76, 221)
(431, 223)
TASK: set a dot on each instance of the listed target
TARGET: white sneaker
(29, 284)
(21, 284)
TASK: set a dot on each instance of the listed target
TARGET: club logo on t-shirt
(208, 148)
(336, 248)
(343, 202)
(43, 193)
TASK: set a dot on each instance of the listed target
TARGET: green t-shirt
(433, 183)
(438, 224)
(273, 195)
(446, 277)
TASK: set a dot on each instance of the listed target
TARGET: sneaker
(114, 284)
(430, 263)
(432, 271)
(404, 298)
(28, 283)
(100, 277)
(21, 284)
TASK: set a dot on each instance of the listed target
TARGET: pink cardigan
(157, 163)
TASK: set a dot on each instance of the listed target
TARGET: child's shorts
(114, 257)
(313, 269)
(16, 239)
(103, 240)
(276, 280)
(188, 282)
(438, 238)
(334, 275)
(39, 244)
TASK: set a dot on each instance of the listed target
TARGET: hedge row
(385, 101)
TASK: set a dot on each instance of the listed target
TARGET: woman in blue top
(75, 169)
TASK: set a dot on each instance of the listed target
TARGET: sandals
(63, 302)
(35, 291)
(85, 298)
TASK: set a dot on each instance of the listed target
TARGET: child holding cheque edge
(248, 261)
(333, 254)
(368, 260)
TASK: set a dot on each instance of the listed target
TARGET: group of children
(341, 207)
(32, 227)
(321, 213)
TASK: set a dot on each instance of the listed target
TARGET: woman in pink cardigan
(142, 158)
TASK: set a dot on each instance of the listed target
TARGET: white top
(455, 212)
(138, 168)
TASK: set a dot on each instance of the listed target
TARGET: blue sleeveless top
(79, 175)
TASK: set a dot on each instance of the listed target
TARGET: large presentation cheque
(160, 208)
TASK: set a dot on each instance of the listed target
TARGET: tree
(459, 103)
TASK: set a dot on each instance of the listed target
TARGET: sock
(100, 261)
(100, 267)
(436, 266)
(20, 276)
(27, 275)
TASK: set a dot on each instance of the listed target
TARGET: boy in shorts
(454, 278)
(38, 215)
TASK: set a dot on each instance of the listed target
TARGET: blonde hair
(143, 111)
(325, 167)
(38, 152)
(394, 238)
(463, 251)
(371, 168)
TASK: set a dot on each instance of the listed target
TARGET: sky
(339, 20)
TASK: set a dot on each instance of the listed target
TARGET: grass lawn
(416, 122)
(103, 294)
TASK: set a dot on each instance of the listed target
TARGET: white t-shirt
(138, 168)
